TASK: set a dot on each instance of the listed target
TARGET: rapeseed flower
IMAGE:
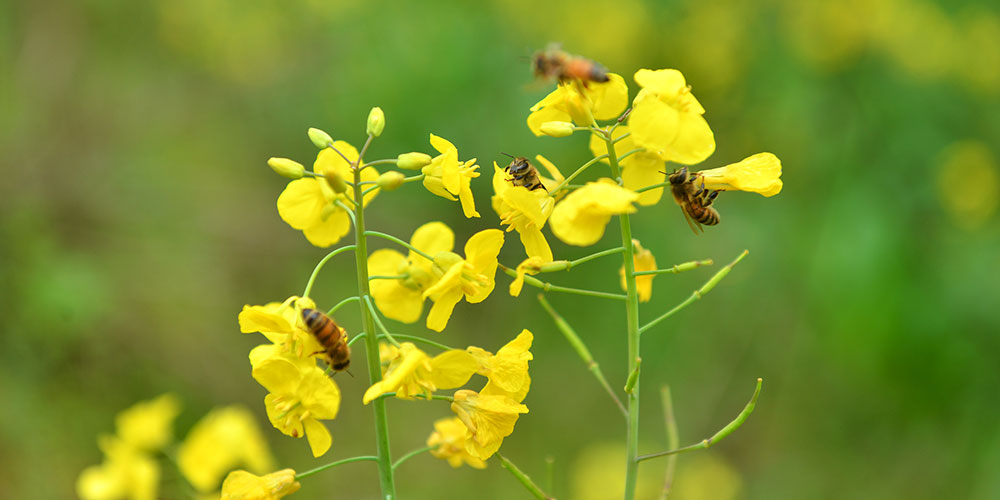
(640, 169)
(525, 211)
(643, 261)
(125, 472)
(666, 118)
(571, 101)
(242, 485)
(507, 370)
(223, 439)
(402, 299)
(760, 173)
(471, 277)
(300, 395)
(281, 323)
(531, 265)
(449, 441)
(148, 425)
(581, 217)
(446, 177)
(411, 373)
(489, 418)
(308, 204)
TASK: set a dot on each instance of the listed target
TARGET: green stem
(686, 266)
(718, 436)
(400, 242)
(523, 478)
(697, 294)
(425, 341)
(321, 468)
(378, 322)
(672, 440)
(356, 338)
(632, 332)
(411, 455)
(577, 172)
(383, 453)
(623, 136)
(413, 178)
(322, 262)
(566, 265)
(581, 350)
(340, 304)
(396, 277)
(349, 210)
(652, 186)
(549, 287)
(380, 162)
(630, 153)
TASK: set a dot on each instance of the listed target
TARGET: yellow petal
(437, 319)
(760, 173)
(328, 232)
(543, 115)
(581, 217)
(482, 249)
(557, 176)
(643, 260)
(610, 98)
(242, 485)
(148, 425)
(535, 244)
(662, 81)
(266, 318)
(301, 203)
(318, 436)
(277, 375)
(452, 369)
(441, 144)
(644, 169)
(694, 141)
(432, 238)
(654, 125)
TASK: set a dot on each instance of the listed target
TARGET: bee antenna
(507, 155)
(349, 373)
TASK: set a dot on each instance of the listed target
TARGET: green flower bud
(287, 168)
(376, 121)
(557, 129)
(335, 182)
(412, 161)
(321, 139)
(390, 180)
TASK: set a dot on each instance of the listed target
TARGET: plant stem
(421, 339)
(384, 456)
(340, 304)
(578, 171)
(322, 262)
(411, 455)
(381, 162)
(396, 277)
(697, 294)
(356, 338)
(686, 266)
(523, 478)
(718, 436)
(322, 468)
(672, 439)
(632, 332)
(549, 287)
(581, 349)
(378, 321)
(400, 242)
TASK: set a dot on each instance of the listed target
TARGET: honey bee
(553, 62)
(332, 337)
(523, 173)
(695, 202)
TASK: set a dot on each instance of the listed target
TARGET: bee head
(679, 176)
(519, 165)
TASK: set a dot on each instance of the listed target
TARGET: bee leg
(709, 198)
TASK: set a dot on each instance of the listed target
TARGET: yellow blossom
(507, 370)
(488, 418)
(581, 217)
(242, 485)
(760, 173)
(644, 261)
(300, 395)
(147, 425)
(281, 323)
(446, 177)
(667, 119)
(449, 441)
(307, 204)
(471, 277)
(640, 169)
(524, 210)
(223, 439)
(125, 472)
(402, 299)
(412, 373)
(530, 265)
(571, 101)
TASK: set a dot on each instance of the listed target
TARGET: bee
(332, 337)
(553, 62)
(523, 173)
(695, 202)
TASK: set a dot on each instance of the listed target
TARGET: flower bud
(390, 180)
(335, 182)
(557, 129)
(321, 139)
(286, 168)
(412, 161)
(376, 121)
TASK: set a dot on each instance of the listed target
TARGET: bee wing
(695, 226)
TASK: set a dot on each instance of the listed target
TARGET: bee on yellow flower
(403, 299)
(281, 323)
(524, 210)
(471, 277)
(411, 373)
(446, 177)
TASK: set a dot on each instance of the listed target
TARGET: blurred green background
(137, 216)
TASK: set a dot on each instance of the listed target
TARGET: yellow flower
(447, 178)
(147, 425)
(644, 261)
(307, 204)
(126, 472)
(507, 371)
(760, 173)
(403, 299)
(223, 439)
(639, 170)
(530, 265)
(471, 277)
(580, 218)
(412, 373)
(582, 105)
(667, 119)
(449, 438)
(300, 395)
(242, 485)
(281, 323)
(524, 210)
(488, 418)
